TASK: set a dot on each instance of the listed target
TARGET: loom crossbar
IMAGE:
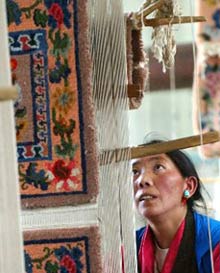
(171, 145)
(118, 155)
(149, 9)
(173, 20)
(8, 93)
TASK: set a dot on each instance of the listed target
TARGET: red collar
(146, 251)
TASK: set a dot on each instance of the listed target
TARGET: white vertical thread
(115, 203)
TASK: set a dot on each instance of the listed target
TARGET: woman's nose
(145, 180)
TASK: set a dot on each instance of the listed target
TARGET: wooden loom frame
(10, 93)
(148, 8)
(113, 156)
(140, 20)
(11, 241)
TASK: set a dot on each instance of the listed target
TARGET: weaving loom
(68, 232)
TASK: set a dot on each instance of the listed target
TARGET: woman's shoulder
(140, 231)
(204, 223)
(206, 229)
(139, 235)
(203, 219)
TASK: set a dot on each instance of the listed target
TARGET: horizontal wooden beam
(8, 93)
(171, 145)
(118, 155)
(173, 20)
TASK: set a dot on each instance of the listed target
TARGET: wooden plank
(173, 20)
(171, 145)
(118, 155)
(8, 93)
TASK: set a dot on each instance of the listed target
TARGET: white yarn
(164, 46)
(115, 202)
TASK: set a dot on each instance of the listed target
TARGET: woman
(176, 239)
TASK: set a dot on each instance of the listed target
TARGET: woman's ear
(191, 184)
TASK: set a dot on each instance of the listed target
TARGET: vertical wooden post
(11, 250)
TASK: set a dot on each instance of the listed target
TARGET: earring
(186, 194)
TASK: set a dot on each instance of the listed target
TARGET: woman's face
(158, 186)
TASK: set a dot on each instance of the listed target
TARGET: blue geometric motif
(33, 43)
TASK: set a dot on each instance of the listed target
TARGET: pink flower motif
(57, 13)
(64, 175)
(213, 83)
(68, 263)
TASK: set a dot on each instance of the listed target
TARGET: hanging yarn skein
(164, 46)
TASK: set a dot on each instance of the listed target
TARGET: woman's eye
(159, 167)
(135, 171)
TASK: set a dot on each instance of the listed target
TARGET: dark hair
(187, 169)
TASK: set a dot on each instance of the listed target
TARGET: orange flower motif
(63, 99)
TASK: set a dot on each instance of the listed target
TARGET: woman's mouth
(146, 197)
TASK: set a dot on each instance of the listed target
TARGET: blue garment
(201, 240)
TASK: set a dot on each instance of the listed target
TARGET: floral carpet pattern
(62, 251)
(51, 67)
(207, 82)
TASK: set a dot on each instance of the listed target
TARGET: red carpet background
(73, 250)
(51, 67)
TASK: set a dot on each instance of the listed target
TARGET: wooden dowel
(145, 11)
(173, 20)
(147, 3)
(181, 143)
(8, 93)
(113, 156)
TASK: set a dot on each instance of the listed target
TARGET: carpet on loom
(54, 113)
(74, 250)
(206, 97)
